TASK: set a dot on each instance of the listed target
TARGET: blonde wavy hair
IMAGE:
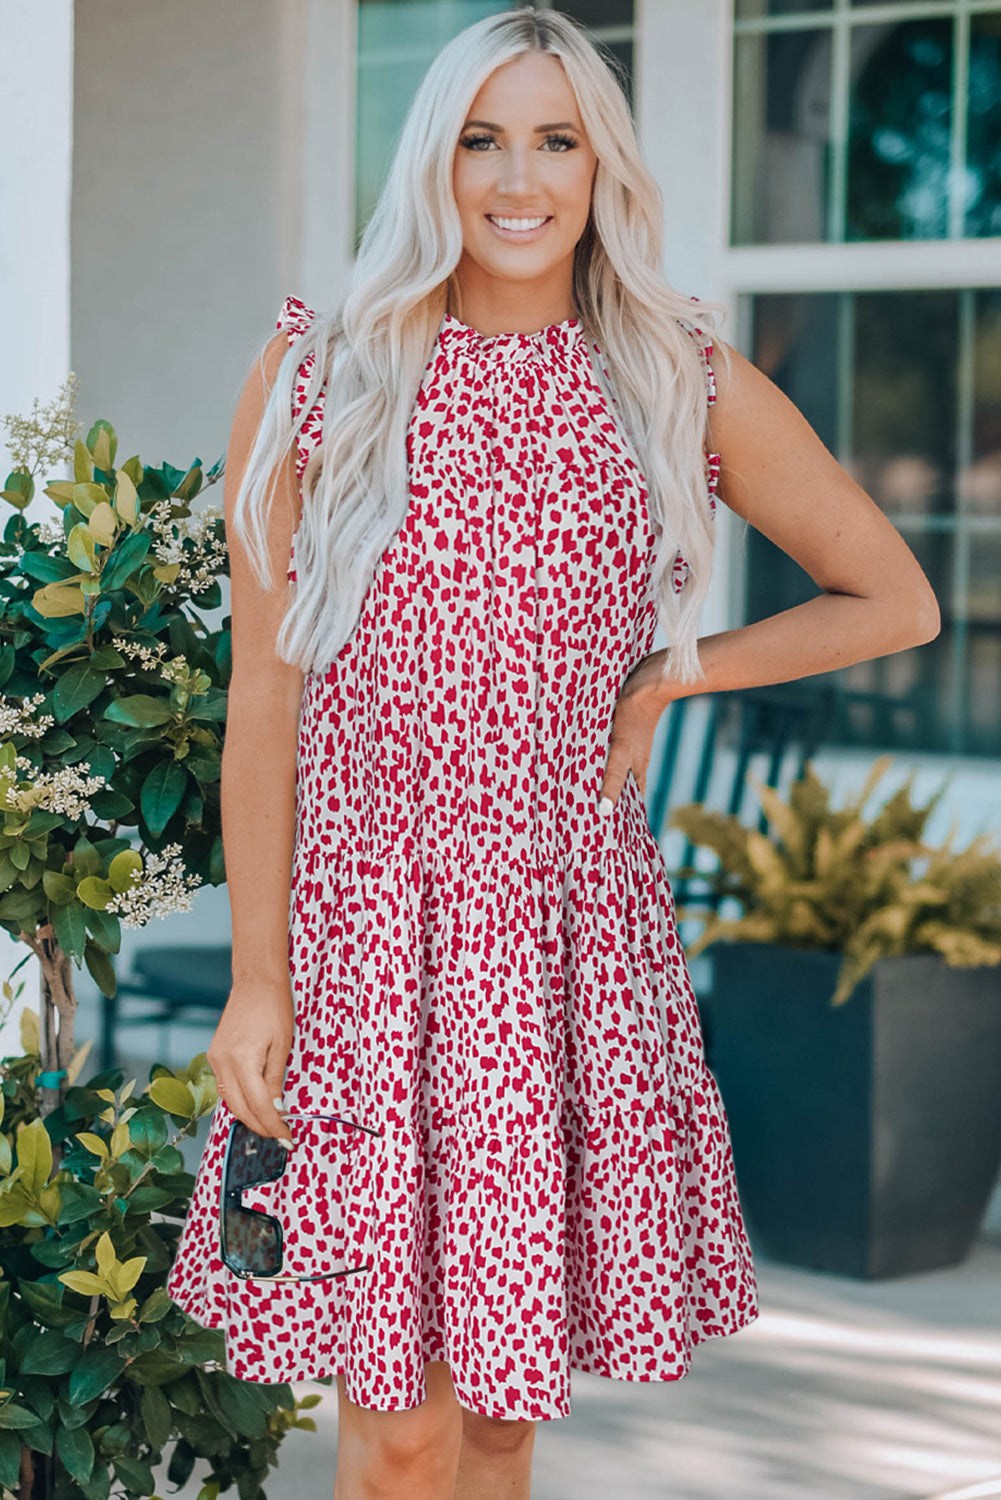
(371, 354)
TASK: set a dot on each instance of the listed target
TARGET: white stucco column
(682, 61)
(36, 131)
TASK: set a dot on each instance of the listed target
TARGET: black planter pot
(866, 1137)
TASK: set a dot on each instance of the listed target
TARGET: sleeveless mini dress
(487, 972)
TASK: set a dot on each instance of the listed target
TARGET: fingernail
(279, 1104)
(288, 1144)
(605, 806)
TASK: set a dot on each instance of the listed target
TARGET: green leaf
(45, 1300)
(56, 601)
(10, 1459)
(181, 1465)
(102, 524)
(80, 547)
(106, 659)
(94, 1373)
(49, 1353)
(46, 569)
(15, 1416)
(211, 707)
(161, 794)
(95, 892)
(126, 558)
(126, 497)
(155, 1367)
(86, 858)
(19, 488)
(156, 1415)
(106, 930)
(123, 867)
(240, 1411)
(101, 970)
(34, 1155)
(80, 1200)
(109, 804)
(76, 1451)
(88, 495)
(70, 928)
(98, 1486)
(13, 1207)
(139, 710)
(173, 1095)
(148, 1132)
(83, 464)
(102, 441)
(78, 686)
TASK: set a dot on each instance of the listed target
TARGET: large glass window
(904, 387)
(852, 123)
(397, 40)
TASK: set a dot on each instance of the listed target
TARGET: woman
(496, 483)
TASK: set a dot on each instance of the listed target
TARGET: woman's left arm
(777, 474)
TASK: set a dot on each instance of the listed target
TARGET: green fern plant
(826, 878)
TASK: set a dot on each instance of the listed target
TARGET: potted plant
(854, 1025)
(112, 705)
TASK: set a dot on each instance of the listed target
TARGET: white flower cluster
(48, 434)
(18, 718)
(150, 656)
(174, 670)
(66, 790)
(160, 887)
(199, 564)
(51, 533)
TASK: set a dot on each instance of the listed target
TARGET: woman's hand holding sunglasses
(249, 1053)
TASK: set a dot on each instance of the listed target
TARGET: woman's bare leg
(400, 1455)
(495, 1460)
(436, 1451)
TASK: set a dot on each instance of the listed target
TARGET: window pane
(904, 400)
(899, 130)
(781, 140)
(397, 40)
(754, 8)
(902, 386)
(980, 483)
(983, 126)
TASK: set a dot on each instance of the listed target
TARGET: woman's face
(522, 155)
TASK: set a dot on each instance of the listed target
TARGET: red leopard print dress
(486, 970)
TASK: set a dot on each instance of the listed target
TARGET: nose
(516, 175)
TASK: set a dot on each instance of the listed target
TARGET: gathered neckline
(557, 336)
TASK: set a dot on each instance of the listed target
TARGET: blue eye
(473, 142)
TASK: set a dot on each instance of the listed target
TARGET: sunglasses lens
(251, 1241)
(252, 1158)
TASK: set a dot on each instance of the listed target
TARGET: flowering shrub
(112, 701)
(112, 707)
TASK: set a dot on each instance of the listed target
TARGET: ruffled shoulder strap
(712, 460)
(294, 318)
(705, 343)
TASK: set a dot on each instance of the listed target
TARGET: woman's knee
(496, 1434)
(418, 1438)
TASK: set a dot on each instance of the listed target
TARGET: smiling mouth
(518, 227)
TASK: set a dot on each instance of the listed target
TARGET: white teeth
(517, 223)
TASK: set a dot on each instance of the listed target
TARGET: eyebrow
(540, 129)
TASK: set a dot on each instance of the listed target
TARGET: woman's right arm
(250, 1048)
